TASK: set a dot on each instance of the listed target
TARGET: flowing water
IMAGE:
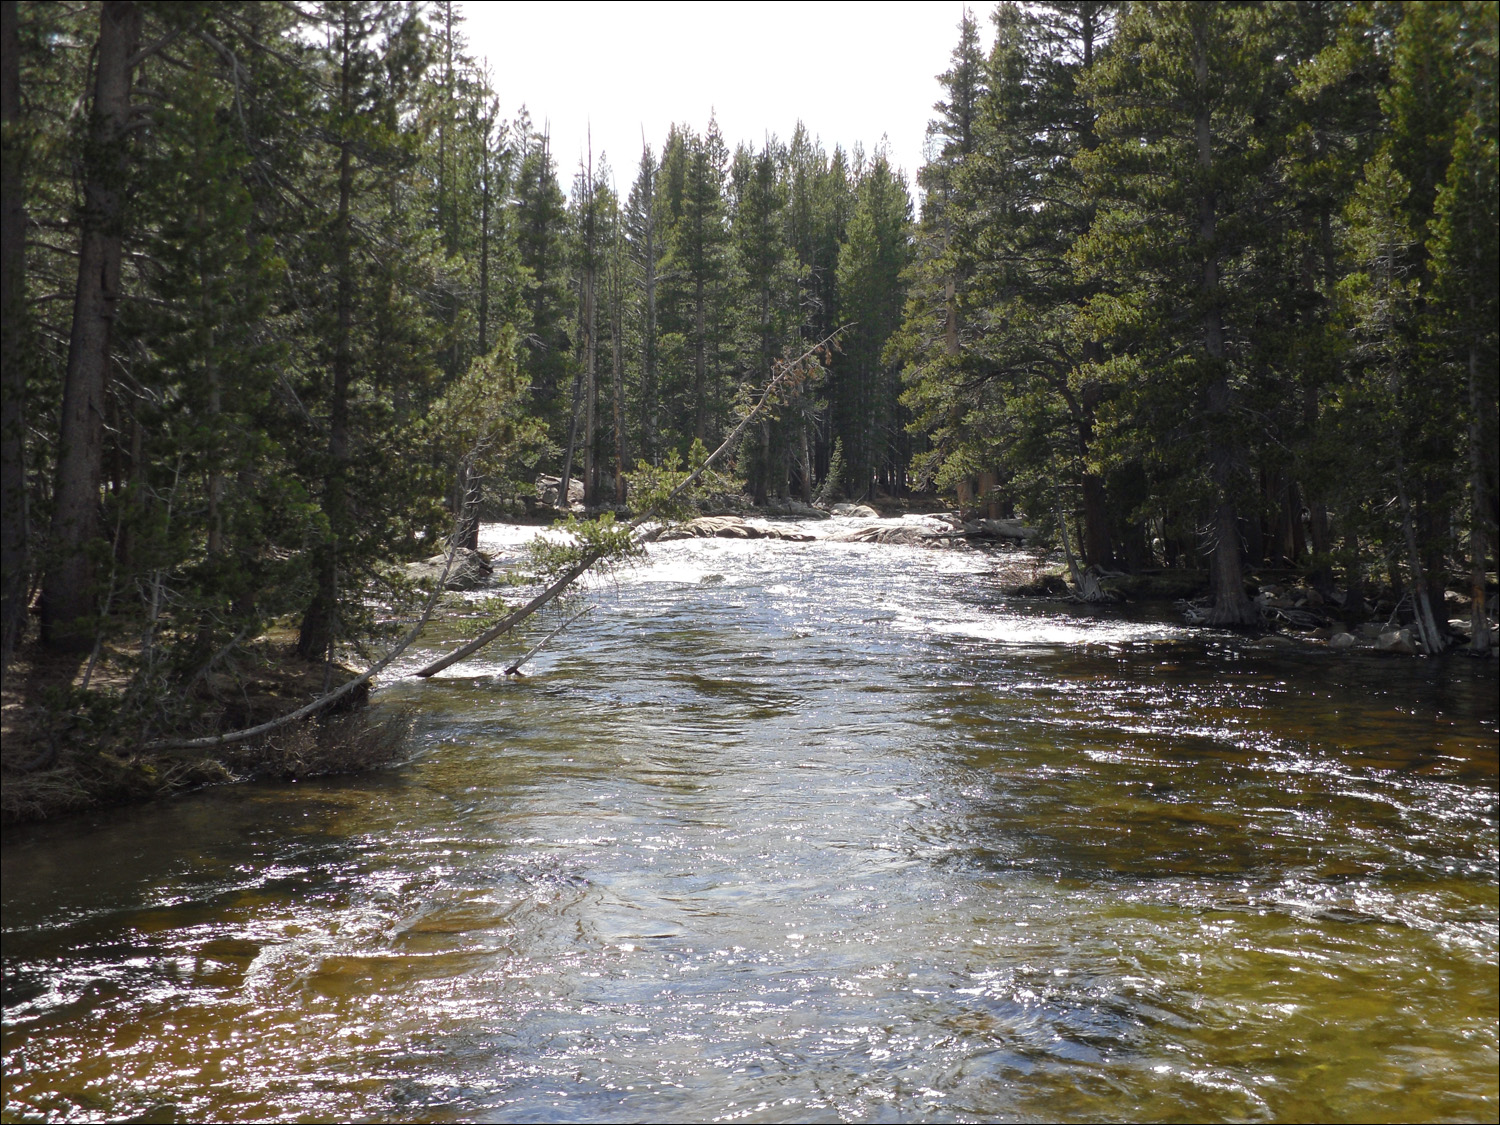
(804, 832)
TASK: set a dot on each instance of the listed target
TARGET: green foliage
(833, 484)
(481, 419)
(1196, 267)
(607, 542)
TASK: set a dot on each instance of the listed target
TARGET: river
(821, 831)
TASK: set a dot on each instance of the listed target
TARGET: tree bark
(68, 591)
(1096, 544)
(617, 371)
(1427, 627)
(1479, 513)
(590, 349)
(700, 360)
(1231, 605)
(320, 623)
(648, 359)
(15, 535)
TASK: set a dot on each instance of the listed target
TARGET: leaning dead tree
(788, 373)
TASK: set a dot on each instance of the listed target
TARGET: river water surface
(792, 832)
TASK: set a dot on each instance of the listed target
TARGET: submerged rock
(470, 570)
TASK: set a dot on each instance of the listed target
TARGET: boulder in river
(787, 507)
(470, 570)
(546, 491)
(856, 511)
(902, 536)
(999, 529)
(1342, 642)
(729, 527)
(1397, 640)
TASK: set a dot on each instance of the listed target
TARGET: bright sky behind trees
(851, 73)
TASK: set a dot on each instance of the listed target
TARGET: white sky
(852, 72)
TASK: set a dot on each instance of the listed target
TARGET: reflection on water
(805, 831)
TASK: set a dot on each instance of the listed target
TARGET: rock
(729, 527)
(999, 529)
(470, 570)
(1397, 640)
(1342, 642)
(1047, 586)
(904, 536)
(856, 511)
(795, 509)
(546, 490)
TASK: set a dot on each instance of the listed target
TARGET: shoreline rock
(471, 570)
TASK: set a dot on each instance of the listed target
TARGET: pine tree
(643, 236)
(1462, 330)
(863, 387)
(695, 283)
(70, 588)
(764, 269)
(15, 530)
(1186, 195)
(543, 247)
(1021, 395)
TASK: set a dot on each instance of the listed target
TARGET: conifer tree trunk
(320, 622)
(1479, 501)
(68, 590)
(700, 361)
(1231, 605)
(617, 370)
(1427, 627)
(15, 538)
(648, 343)
(648, 391)
(590, 358)
(806, 472)
(763, 476)
(1097, 549)
(486, 170)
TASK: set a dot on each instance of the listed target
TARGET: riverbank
(72, 741)
(67, 750)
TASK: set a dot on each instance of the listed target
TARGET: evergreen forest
(289, 292)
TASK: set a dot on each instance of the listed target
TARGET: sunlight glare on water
(804, 831)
